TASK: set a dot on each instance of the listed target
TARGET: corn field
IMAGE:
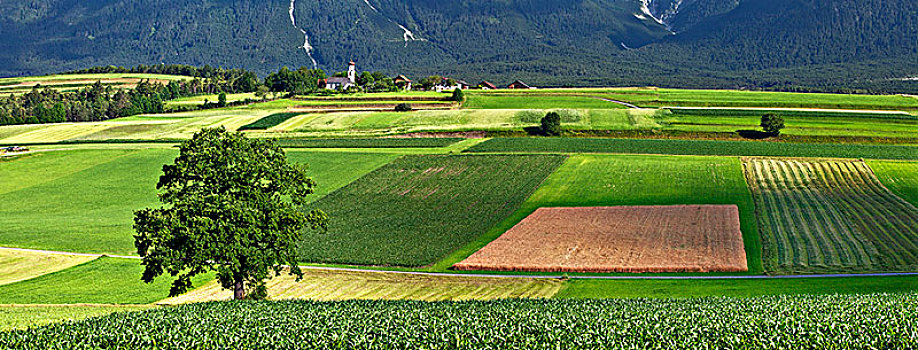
(881, 321)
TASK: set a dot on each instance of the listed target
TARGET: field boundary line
(553, 276)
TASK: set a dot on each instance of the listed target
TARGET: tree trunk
(238, 291)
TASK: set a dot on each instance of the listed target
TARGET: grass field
(84, 200)
(661, 97)
(18, 266)
(605, 180)
(830, 216)
(26, 316)
(100, 281)
(417, 209)
(874, 321)
(899, 177)
(325, 285)
(694, 147)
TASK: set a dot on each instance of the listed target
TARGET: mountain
(713, 43)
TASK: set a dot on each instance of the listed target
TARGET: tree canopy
(231, 206)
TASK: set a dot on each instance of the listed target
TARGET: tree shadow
(534, 131)
(753, 134)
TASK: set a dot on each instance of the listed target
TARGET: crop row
(831, 215)
(694, 147)
(787, 322)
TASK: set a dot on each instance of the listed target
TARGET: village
(350, 83)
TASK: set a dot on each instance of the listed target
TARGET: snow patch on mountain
(306, 46)
(408, 35)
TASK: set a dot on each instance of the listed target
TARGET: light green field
(101, 281)
(899, 177)
(586, 180)
(375, 123)
(18, 266)
(660, 97)
(26, 316)
(860, 127)
(198, 100)
(84, 199)
(325, 285)
(534, 100)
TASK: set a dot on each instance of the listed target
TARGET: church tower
(352, 72)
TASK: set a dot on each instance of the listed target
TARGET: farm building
(486, 85)
(402, 82)
(519, 84)
(448, 84)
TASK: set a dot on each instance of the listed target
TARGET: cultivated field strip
(831, 216)
(329, 285)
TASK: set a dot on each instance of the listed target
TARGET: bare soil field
(681, 238)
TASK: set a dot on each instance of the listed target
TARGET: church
(341, 83)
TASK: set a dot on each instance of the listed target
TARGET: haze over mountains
(693, 43)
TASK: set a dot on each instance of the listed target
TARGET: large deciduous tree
(232, 206)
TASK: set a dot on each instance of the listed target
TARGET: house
(402, 82)
(341, 83)
(485, 85)
(448, 84)
(519, 85)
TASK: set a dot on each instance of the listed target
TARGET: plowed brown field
(683, 238)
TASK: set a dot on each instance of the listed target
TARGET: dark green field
(873, 321)
(694, 147)
(417, 209)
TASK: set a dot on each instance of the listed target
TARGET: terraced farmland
(830, 216)
(329, 285)
(417, 209)
(875, 321)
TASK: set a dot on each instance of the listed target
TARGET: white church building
(342, 83)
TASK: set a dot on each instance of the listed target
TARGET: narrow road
(626, 104)
(447, 274)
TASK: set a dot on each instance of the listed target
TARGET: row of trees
(102, 102)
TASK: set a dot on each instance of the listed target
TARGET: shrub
(403, 107)
(551, 124)
(458, 96)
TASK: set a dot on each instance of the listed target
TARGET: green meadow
(83, 200)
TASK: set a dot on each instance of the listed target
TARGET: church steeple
(352, 72)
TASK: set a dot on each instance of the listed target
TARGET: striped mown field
(827, 216)
(328, 285)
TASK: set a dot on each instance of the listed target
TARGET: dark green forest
(796, 45)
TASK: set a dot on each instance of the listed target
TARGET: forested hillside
(779, 44)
